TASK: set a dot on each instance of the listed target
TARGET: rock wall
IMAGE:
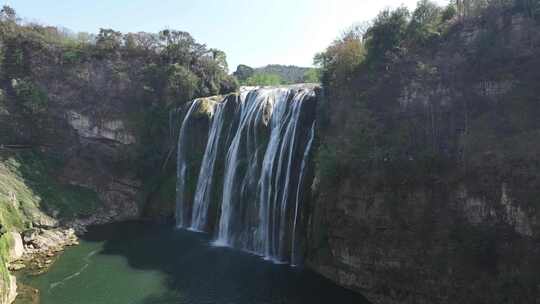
(449, 213)
(436, 244)
(81, 116)
(89, 122)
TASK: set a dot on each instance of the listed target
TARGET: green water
(136, 263)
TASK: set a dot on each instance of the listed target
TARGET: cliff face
(100, 106)
(68, 142)
(84, 123)
(440, 203)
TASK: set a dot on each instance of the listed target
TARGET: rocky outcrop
(120, 204)
(16, 249)
(113, 130)
(40, 247)
(45, 241)
(35, 250)
(11, 294)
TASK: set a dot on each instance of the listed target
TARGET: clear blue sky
(252, 32)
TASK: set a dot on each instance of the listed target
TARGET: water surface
(139, 263)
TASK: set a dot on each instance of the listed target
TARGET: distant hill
(287, 73)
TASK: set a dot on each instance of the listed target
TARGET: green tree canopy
(386, 33)
(109, 40)
(312, 76)
(243, 72)
(425, 21)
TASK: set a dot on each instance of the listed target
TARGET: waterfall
(253, 171)
(182, 166)
(299, 191)
(273, 232)
(201, 203)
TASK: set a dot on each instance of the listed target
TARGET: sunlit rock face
(110, 129)
(245, 183)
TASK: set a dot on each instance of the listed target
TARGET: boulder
(16, 249)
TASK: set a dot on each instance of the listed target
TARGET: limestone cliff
(429, 192)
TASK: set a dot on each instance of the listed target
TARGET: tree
(220, 58)
(146, 41)
(180, 47)
(211, 73)
(424, 22)
(243, 72)
(470, 8)
(129, 42)
(449, 12)
(228, 84)
(8, 20)
(182, 84)
(342, 57)
(85, 38)
(312, 76)
(530, 7)
(386, 34)
(109, 40)
(8, 14)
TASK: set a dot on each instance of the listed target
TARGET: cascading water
(182, 166)
(299, 192)
(250, 183)
(201, 203)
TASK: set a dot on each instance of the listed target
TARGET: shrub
(228, 84)
(424, 23)
(31, 97)
(342, 57)
(386, 34)
(72, 56)
(182, 84)
(328, 164)
(312, 76)
(449, 12)
(243, 72)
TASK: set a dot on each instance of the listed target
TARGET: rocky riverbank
(37, 249)
(34, 250)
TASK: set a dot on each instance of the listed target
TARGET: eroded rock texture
(440, 205)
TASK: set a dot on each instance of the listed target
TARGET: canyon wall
(68, 162)
(438, 203)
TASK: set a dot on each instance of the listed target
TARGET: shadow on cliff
(32, 177)
(199, 273)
